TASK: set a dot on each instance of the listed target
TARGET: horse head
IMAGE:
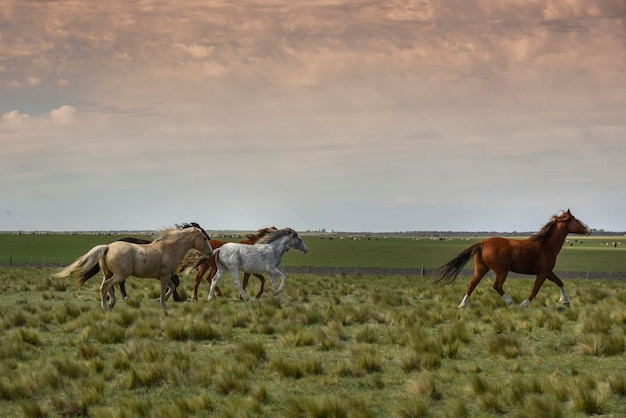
(296, 242)
(574, 225)
(201, 243)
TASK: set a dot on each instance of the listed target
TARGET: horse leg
(165, 290)
(479, 272)
(246, 277)
(123, 289)
(262, 279)
(109, 280)
(242, 292)
(282, 281)
(175, 280)
(214, 281)
(564, 298)
(212, 271)
(201, 270)
(497, 285)
(541, 277)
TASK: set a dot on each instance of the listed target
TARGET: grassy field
(335, 347)
(580, 254)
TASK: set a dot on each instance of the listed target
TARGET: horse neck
(554, 243)
(281, 245)
(180, 245)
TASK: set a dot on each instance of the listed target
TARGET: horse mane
(176, 229)
(260, 233)
(545, 231)
(274, 235)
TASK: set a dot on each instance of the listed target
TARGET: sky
(363, 115)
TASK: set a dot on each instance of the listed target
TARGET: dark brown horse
(96, 269)
(534, 255)
(208, 263)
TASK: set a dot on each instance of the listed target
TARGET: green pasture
(580, 254)
(336, 346)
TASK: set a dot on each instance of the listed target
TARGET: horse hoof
(566, 304)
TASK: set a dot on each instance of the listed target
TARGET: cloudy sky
(362, 115)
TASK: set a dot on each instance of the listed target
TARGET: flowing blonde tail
(84, 264)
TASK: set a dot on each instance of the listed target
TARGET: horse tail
(85, 265)
(190, 261)
(216, 254)
(447, 273)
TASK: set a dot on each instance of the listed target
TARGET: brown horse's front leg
(201, 270)
(564, 298)
(541, 277)
(262, 279)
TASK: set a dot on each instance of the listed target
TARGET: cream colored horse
(159, 260)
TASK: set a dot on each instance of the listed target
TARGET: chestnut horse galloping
(203, 264)
(534, 255)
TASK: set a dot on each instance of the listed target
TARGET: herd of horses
(188, 246)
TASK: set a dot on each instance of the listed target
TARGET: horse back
(137, 260)
(257, 258)
(516, 255)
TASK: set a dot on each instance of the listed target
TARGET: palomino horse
(193, 260)
(534, 255)
(159, 259)
(264, 256)
(96, 269)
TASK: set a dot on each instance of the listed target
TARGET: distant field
(579, 254)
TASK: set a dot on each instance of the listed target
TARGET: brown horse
(534, 255)
(208, 263)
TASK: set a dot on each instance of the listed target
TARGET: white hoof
(525, 304)
(464, 303)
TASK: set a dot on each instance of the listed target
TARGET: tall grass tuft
(194, 330)
(426, 385)
(507, 345)
(367, 334)
(366, 360)
(608, 344)
(617, 383)
(33, 409)
(540, 406)
(589, 400)
(413, 408)
(318, 407)
(595, 320)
